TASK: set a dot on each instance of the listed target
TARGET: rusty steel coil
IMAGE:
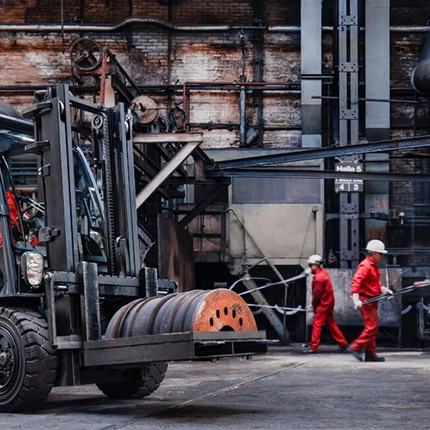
(197, 310)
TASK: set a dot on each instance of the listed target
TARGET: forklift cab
(23, 235)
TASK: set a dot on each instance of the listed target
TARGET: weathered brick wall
(49, 11)
(234, 12)
(154, 55)
(402, 12)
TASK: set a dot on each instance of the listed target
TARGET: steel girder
(320, 153)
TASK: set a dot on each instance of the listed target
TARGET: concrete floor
(282, 389)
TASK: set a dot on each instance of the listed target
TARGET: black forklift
(77, 303)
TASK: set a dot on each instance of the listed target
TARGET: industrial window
(276, 190)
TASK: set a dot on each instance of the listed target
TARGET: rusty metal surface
(193, 311)
(175, 256)
(220, 310)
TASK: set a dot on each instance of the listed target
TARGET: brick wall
(235, 12)
(154, 55)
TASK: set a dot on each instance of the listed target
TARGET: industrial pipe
(103, 77)
(242, 116)
(102, 28)
(186, 87)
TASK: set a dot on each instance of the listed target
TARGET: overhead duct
(420, 78)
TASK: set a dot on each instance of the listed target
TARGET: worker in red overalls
(323, 306)
(366, 285)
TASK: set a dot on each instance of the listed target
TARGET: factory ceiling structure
(264, 132)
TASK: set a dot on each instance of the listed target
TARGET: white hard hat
(376, 245)
(315, 259)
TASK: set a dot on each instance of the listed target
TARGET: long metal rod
(314, 154)
(97, 28)
(304, 274)
(398, 292)
(312, 173)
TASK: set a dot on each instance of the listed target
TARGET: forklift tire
(28, 364)
(139, 383)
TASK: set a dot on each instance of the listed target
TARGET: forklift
(77, 303)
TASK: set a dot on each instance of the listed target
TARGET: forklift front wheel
(28, 364)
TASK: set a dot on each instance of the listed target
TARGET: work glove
(357, 302)
(385, 290)
(307, 271)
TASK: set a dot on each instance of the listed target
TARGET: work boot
(375, 358)
(310, 351)
(356, 354)
(340, 350)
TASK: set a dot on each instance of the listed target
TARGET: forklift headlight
(32, 267)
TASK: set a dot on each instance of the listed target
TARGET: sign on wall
(348, 185)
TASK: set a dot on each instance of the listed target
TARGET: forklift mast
(63, 173)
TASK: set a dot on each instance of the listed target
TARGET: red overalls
(366, 283)
(323, 304)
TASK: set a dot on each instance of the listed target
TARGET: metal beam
(316, 174)
(168, 138)
(315, 154)
(200, 206)
(166, 171)
(215, 176)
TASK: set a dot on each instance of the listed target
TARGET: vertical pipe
(62, 24)
(311, 60)
(103, 77)
(242, 116)
(186, 106)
